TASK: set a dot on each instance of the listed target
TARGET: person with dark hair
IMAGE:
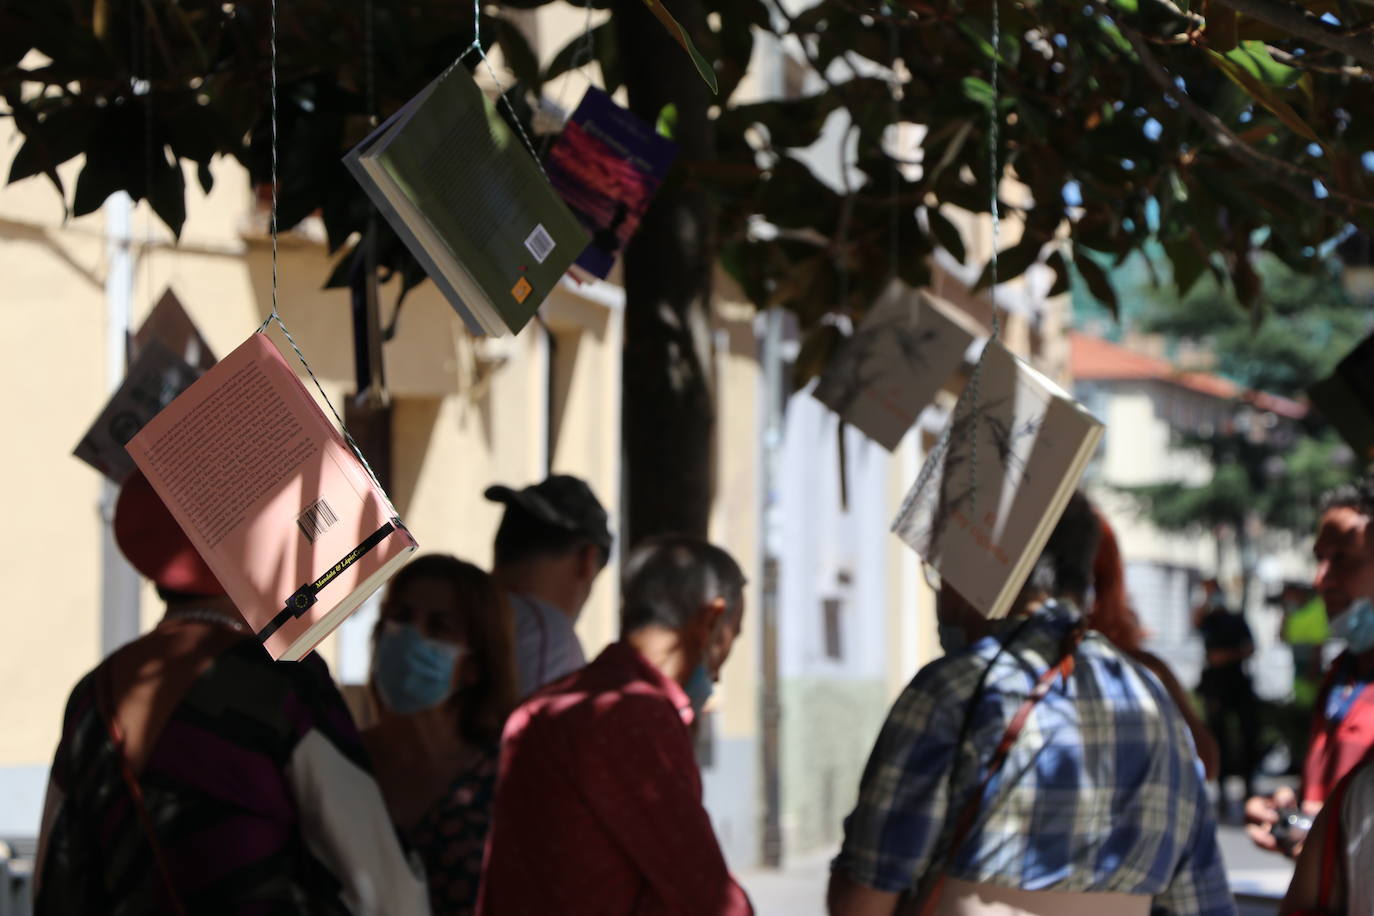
(1113, 617)
(552, 543)
(443, 676)
(197, 775)
(1342, 731)
(598, 804)
(1033, 769)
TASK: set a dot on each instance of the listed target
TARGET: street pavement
(798, 889)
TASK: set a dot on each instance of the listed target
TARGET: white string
(500, 89)
(994, 180)
(276, 316)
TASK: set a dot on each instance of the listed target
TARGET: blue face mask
(413, 672)
(952, 639)
(699, 687)
(1356, 626)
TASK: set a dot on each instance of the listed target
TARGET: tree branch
(1297, 23)
(1227, 139)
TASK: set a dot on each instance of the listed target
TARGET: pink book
(273, 498)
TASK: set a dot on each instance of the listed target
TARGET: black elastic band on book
(304, 597)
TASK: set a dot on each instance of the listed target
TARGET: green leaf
(666, 123)
(675, 29)
(567, 58)
(946, 233)
(1096, 278)
(816, 351)
(1255, 59)
(1114, 36)
(515, 47)
(977, 32)
(978, 91)
(1130, 7)
(1262, 93)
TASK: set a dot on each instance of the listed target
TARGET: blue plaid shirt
(1101, 793)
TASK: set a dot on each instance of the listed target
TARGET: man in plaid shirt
(1100, 806)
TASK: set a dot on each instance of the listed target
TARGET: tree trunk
(667, 381)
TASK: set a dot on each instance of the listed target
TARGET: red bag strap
(969, 815)
(104, 696)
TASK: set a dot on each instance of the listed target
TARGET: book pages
(903, 352)
(992, 490)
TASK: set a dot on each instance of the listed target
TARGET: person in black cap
(552, 543)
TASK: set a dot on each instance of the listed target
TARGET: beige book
(902, 354)
(995, 485)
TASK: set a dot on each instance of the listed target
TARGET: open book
(993, 488)
(606, 165)
(166, 355)
(470, 203)
(903, 352)
(276, 502)
(1346, 399)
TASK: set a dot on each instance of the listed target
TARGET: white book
(903, 352)
(992, 490)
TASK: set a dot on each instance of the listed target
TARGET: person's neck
(662, 648)
(542, 580)
(433, 735)
(214, 605)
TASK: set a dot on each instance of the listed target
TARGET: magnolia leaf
(1011, 262)
(675, 29)
(666, 123)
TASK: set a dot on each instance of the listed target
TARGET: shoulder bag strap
(969, 815)
(104, 695)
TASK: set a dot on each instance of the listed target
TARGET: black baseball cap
(563, 501)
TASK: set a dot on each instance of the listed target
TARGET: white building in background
(1146, 402)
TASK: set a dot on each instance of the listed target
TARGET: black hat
(562, 501)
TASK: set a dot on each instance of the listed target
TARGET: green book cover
(483, 195)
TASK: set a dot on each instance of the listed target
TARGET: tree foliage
(1125, 120)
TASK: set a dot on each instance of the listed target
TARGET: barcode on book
(316, 519)
(540, 243)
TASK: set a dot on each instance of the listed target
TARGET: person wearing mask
(197, 775)
(1033, 769)
(1342, 731)
(552, 543)
(443, 676)
(1228, 698)
(1113, 617)
(598, 804)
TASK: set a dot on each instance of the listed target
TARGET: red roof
(1093, 358)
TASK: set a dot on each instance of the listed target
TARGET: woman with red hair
(1113, 617)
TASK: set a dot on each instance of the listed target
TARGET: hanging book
(607, 165)
(470, 202)
(169, 324)
(166, 355)
(1346, 399)
(993, 489)
(903, 352)
(278, 505)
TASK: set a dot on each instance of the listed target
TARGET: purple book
(606, 165)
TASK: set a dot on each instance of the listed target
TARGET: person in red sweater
(1343, 717)
(598, 798)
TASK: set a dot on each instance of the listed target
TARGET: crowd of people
(1046, 763)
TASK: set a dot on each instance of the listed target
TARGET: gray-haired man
(598, 803)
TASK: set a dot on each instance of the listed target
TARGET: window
(831, 613)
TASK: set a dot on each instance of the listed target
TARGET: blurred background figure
(553, 542)
(197, 775)
(1228, 697)
(443, 676)
(1111, 615)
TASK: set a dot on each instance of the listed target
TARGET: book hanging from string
(472, 206)
(606, 165)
